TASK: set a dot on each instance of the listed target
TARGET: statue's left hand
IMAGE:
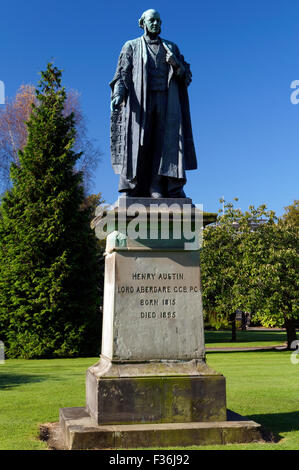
(171, 59)
(176, 64)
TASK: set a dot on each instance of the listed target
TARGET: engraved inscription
(153, 307)
(151, 291)
(158, 276)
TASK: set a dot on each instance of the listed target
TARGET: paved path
(279, 347)
(263, 328)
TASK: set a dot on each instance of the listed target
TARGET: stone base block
(162, 392)
(79, 431)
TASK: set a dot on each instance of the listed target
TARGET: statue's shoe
(156, 195)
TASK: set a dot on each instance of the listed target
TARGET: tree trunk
(234, 329)
(291, 331)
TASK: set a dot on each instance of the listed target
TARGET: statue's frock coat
(129, 121)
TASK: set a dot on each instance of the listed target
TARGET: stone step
(81, 432)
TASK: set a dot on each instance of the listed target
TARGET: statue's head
(150, 20)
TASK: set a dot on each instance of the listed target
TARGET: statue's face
(152, 22)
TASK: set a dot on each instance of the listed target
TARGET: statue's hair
(141, 20)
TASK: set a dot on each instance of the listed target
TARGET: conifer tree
(48, 275)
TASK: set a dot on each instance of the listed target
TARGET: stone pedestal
(152, 370)
(157, 392)
(152, 306)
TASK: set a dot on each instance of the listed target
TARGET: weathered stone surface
(81, 432)
(119, 395)
(152, 307)
(126, 201)
(151, 386)
(146, 223)
(104, 368)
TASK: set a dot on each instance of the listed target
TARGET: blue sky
(243, 56)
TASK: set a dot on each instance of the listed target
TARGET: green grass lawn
(220, 339)
(31, 393)
(262, 385)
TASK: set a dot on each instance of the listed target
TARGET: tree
(48, 262)
(250, 262)
(271, 260)
(291, 215)
(221, 268)
(14, 133)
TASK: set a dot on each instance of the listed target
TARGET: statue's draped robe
(128, 123)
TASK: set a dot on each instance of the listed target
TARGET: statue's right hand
(115, 102)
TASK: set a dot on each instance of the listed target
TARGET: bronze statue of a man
(151, 135)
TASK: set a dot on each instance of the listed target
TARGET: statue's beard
(152, 33)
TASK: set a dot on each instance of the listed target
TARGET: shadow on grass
(272, 425)
(278, 422)
(8, 381)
